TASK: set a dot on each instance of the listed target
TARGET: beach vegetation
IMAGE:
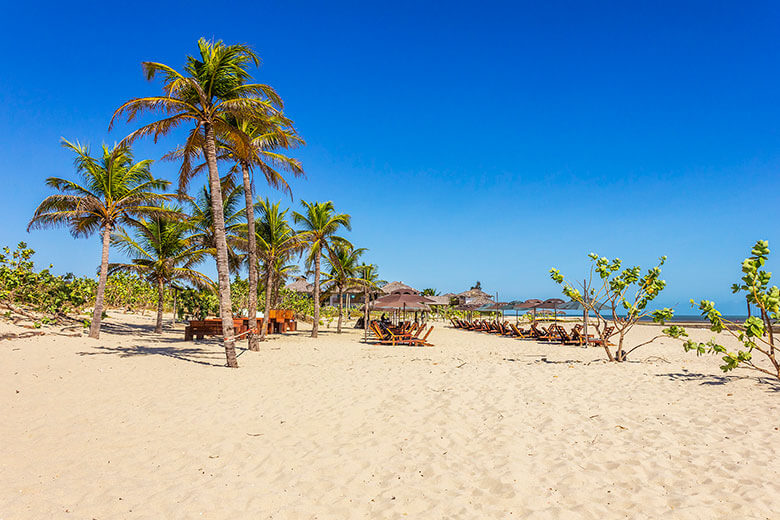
(618, 297)
(756, 334)
(213, 89)
(319, 224)
(162, 252)
(344, 272)
(112, 190)
(276, 243)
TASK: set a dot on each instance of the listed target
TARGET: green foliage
(131, 293)
(624, 293)
(301, 304)
(430, 291)
(755, 333)
(56, 296)
(199, 303)
(43, 292)
(239, 295)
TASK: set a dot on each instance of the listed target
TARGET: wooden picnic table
(279, 321)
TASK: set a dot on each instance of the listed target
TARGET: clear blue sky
(477, 141)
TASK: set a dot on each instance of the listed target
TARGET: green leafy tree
(198, 302)
(430, 292)
(23, 289)
(368, 280)
(344, 272)
(319, 224)
(254, 147)
(756, 333)
(201, 219)
(276, 243)
(161, 251)
(113, 190)
(213, 88)
(623, 296)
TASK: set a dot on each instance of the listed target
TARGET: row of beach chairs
(554, 333)
(409, 334)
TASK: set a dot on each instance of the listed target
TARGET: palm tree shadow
(206, 352)
(141, 330)
(712, 379)
(197, 355)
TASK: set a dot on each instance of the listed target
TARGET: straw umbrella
(552, 303)
(532, 304)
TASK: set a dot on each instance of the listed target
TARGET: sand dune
(139, 426)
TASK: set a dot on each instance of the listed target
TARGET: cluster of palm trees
(231, 121)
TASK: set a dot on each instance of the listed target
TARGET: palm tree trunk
(252, 259)
(97, 314)
(365, 314)
(316, 325)
(160, 294)
(268, 283)
(341, 309)
(223, 274)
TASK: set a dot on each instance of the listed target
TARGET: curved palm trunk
(341, 309)
(97, 314)
(268, 283)
(160, 295)
(252, 259)
(316, 325)
(225, 310)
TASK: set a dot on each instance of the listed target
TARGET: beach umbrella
(532, 304)
(552, 303)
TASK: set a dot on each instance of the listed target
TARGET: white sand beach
(136, 425)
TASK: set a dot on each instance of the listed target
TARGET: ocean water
(689, 318)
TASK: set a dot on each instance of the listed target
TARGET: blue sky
(473, 141)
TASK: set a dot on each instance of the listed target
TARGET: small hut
(300, 286)
(472, 296)
(398, 286)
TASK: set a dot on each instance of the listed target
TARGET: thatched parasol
(398, 286)
(300, 285)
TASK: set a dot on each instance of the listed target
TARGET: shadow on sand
(207, 351)
(711, 379)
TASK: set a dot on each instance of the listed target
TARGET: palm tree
(320, 223)
(274, 133)
(162, 252)
(369, 281)
(277, 241)
(343, 275)
(114, 190)
(214, 86)
(201, 219)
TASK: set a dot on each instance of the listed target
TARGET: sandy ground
(140, 426)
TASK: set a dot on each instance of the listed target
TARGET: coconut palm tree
(276, 242)
(343, 274)
(263, 138)
(368, 280)
(201, 219)
(213, 87)
(112, 191)
(161, 251)
(319, 225)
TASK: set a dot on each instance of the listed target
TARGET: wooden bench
(201, 328)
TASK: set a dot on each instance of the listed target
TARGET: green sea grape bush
(623, 295)
(132, 293)
(199, 303)
(23, 290)
(755, 333)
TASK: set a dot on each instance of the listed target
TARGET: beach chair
(598, 342)
(567, 338)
